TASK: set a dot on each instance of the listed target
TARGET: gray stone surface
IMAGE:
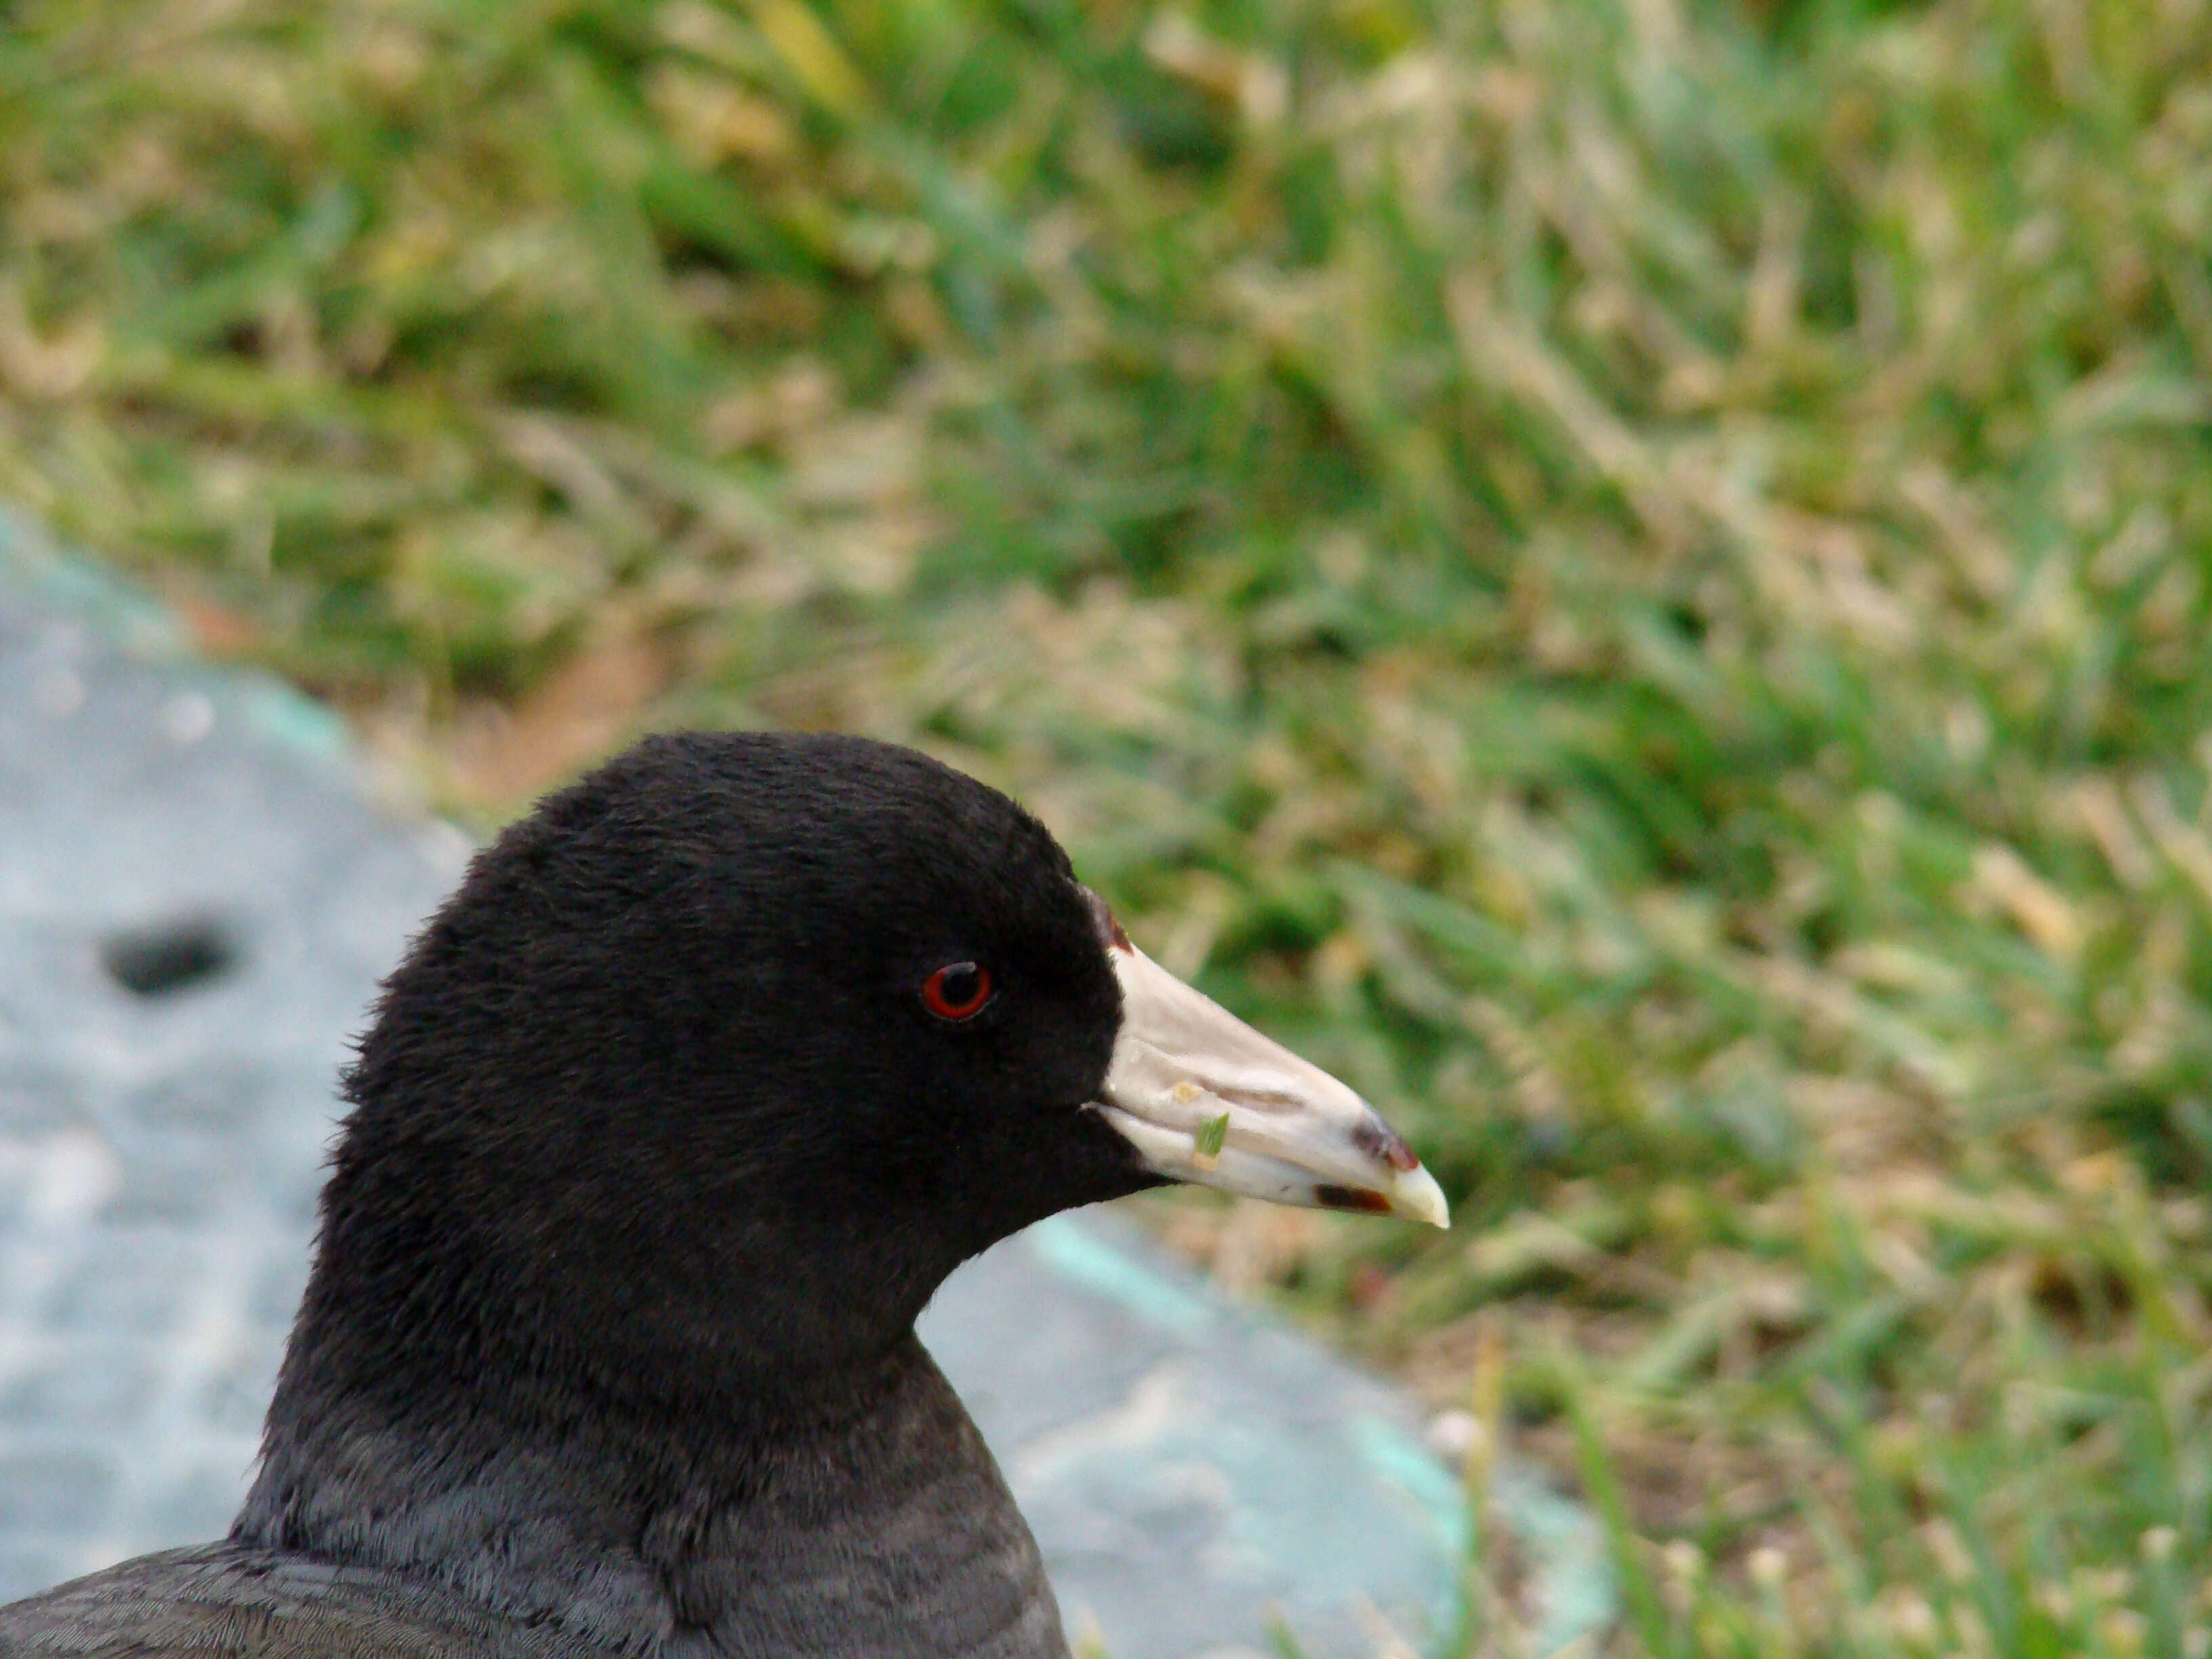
(196, 902)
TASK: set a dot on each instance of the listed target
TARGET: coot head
(722, 1058)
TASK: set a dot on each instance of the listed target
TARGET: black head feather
(653, 1115)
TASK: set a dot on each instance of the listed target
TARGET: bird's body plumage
(231, 1601)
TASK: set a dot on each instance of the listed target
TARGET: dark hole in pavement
(168, 958)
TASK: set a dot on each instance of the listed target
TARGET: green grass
(1632, 574)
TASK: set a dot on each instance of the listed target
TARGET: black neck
(874, 1524)
(456, 1403)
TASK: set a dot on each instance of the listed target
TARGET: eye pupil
(957, 991)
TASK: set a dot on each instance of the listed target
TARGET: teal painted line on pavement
(1401, 1459)
(1073, 1253)
(125, 615)
(274, 711)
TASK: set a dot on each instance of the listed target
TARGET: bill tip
(1419, 1197)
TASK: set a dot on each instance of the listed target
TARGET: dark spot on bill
(1350, 1198)
(1378, 1139)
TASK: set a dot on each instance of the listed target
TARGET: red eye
(957, 991)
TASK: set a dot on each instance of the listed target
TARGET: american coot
(664, 1132)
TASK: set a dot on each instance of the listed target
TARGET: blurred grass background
(1630, 574)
